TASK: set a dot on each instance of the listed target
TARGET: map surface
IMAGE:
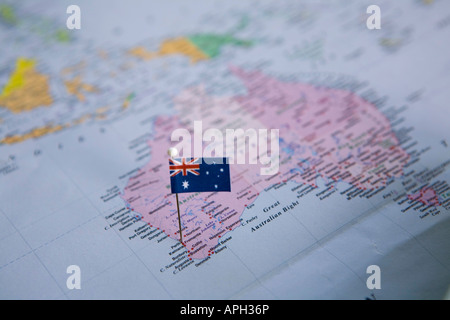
(85, 123)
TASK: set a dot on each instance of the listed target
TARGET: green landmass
(210, 44)
(62, 35)
(7, 14)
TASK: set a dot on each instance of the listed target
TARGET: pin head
(172, 152)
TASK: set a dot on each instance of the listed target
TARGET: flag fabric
(199, 175)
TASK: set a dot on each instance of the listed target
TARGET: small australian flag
(199, 175)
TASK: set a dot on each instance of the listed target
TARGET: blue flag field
(199, 175)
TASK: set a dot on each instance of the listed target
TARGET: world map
(86, 118)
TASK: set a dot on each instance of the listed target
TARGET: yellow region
(172, 46)
(126, 104)
(82, 119)
(183, 46)
(75, 68)
(17, 79)
(101, 113)
(76, 86)
(35, 133)
(102, 110)
(48, 129)
(26, 89)
(141, 53)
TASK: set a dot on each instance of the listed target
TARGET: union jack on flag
(199, 175)
(177, 167)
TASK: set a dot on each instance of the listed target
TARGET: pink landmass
(334, 133)
(427, 196)
(325, 133)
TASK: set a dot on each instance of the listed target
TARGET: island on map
(26, 89)
(196, 47)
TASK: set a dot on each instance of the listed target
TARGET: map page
(338, 177)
